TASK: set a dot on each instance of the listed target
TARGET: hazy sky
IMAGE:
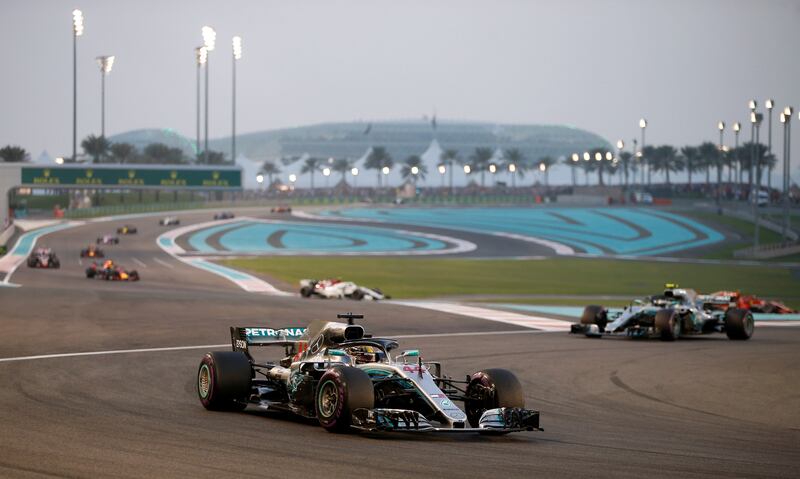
(594, 64)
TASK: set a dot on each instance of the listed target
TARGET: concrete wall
(10, 177)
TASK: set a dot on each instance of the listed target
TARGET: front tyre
(223, 380)
(668, 325)
(594, 314)
(340, 391)
(739, 324)
(490, 389)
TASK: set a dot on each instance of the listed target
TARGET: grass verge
(426, 277)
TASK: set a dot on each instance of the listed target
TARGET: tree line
(101, 150)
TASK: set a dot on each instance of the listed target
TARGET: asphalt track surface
(610, 408)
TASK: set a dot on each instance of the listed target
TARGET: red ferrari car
(755, 304)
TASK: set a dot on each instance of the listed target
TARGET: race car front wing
(499, 420)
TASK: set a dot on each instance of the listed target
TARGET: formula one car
(92, 251)
(108, 239)
(43, 258)
(127, 230)
(350, 381)
(336, 288)
(677, 312)
(169, 221)
(111, 272)
(281, 209)
(225, 215)
(753, 303)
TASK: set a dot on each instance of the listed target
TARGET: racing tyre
(55, 264)
(340, 391)
(306, 291)
(358, 295)
(90, 273)
(739, 324)
(223, 380)
(668, 325)
(489, 389)
(31, 263)
(133, 276)
(595, 315)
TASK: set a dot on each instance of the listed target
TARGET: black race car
(43, 258)
(225, 215)
(350, 381)
(127, 230)
(111, 272)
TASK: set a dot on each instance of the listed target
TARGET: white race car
(169, 221)
(338, 289)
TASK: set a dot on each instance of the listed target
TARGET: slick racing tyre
(668, 325)
(489, 389)
(595, 315)
(358, 295)
(306, 291)
(90, 273)
(223, 380)
(133, 276)
(340, 391)
(739, 324)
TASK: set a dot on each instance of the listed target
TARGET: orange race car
(754, 303)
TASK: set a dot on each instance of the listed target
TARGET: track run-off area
(99, 376)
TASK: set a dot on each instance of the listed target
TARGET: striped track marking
(227, 345)
(139, 262)
(559, 248)
(163, 263)
(535, 322)
(25, 244)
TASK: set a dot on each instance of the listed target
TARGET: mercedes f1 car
(127, 230)
(92, 251)
(108, 239)
(111, 272)
(169, 221)
(674, 313)
(752, 303)
(43, 258)
(225, 215)
(338, 289)
(349, 381)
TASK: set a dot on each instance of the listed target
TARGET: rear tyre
(490, 389)
(739, 324)
(668, 325)
(340, 391)
(223, 380)
(358, 295)
(306, 291)
(90, 273)
(595, 314)
(133, 276)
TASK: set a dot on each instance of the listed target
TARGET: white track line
(225, 345)
(527, 321)
(139, 262)
(163, 263)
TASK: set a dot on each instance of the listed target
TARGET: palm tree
(96, 147)
(270, 169)
(342, 166)
(625, 160)
(547, 161)
(480, 161)
(573, 165)
(311, 165)
(448, 157)
(123, 152)
(414, 167)
(513, 156)
(666, 159)
(163, 154)
(377, 160)
(13, 154)
(599, 166)
(690, 157)
(709, 154)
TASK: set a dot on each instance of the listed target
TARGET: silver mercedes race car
(338, 289)
(674, 313)
(350, 381)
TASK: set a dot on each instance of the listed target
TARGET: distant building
(401, 139)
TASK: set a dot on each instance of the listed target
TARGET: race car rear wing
(242, 338)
